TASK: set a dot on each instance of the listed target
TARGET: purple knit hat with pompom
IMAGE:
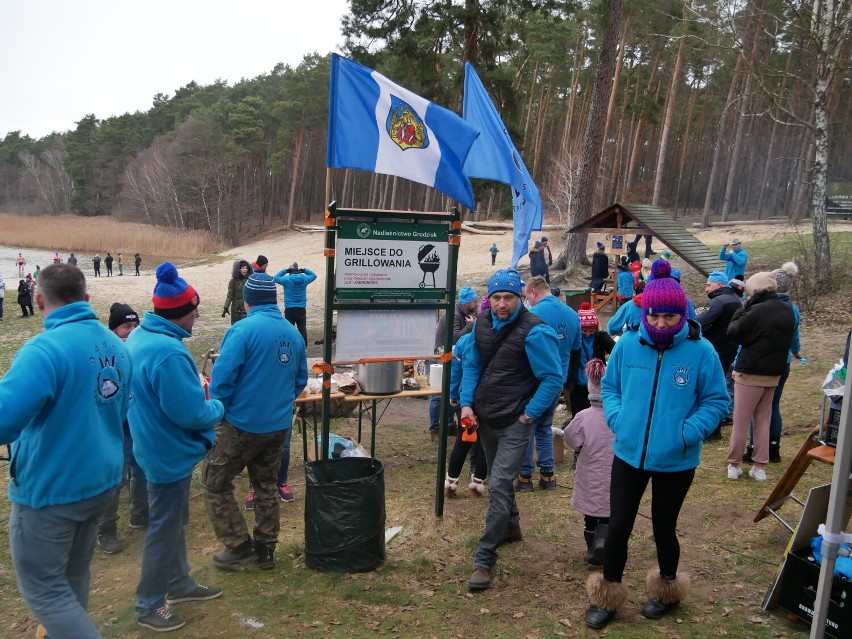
(663, 294)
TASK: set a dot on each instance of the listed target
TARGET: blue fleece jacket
(171, 422)
(736, 262)
(63, 402)
(459, 353)
(662, 404)
(564, 320)
(628, 313)
(263, 350)
(295, 287)
(625, 283)
(542, 349)
(796, 344)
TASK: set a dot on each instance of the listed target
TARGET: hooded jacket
(626, 281)
(266, 347)
(662, 404)
(564, 320)
(171, 421)
(295, 287)
(234, 302)
(63, 402)
(628, 314)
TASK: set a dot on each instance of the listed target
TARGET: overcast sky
(63, 59)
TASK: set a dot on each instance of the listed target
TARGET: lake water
(40, 257)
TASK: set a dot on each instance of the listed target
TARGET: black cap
(121, 314)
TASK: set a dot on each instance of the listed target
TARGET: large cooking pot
(379, 378)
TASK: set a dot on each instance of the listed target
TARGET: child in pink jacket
(589, 433)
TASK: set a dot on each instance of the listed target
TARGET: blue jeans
(729, 384)
(285, 458)
(135, 477)
(52, 551)
(504, 449)
(434, 412)
(165, 569)
(542, 441)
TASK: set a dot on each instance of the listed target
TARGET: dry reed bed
(92, 234)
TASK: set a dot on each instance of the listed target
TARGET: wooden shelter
(623, 219)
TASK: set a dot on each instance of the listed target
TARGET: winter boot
(451, 485)
(108, 541)
(605, 597)
(666, 594)
(775, 452)
(476, 487)
(598, 543)
(547, 481)
(747, 455)
(524, 484)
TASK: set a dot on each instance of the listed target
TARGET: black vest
(507, 383)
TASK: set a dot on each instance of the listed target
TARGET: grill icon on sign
(428, 260)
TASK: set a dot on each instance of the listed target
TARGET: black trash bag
(345, 514)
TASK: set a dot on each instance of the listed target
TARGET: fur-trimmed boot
(666, 594)
(606, 597)
(451, 485)
(476, 487)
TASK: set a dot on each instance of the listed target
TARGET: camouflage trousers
(234, 450)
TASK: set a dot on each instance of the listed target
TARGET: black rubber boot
(589, 536)
(774, 452)
(598, 544)
(747, 455)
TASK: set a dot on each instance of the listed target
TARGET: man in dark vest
(511, 377)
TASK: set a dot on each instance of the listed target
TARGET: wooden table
(366, 404)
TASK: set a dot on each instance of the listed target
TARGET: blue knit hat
(717, 277)
(260, 289)
(467, 295)
(505, 280)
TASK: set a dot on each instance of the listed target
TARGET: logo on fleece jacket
(284, 352)
(681, 376)
(109, 379)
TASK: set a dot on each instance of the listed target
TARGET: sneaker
(137, 522)
(199, 593)
(265, 556)
(250, 500)
(161, 620)
(286, 493)
(524, 485)
(734, 472)
(758, 474)
(232, 557)
(109, 543)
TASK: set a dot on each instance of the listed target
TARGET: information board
(402, 333)
(391, 260)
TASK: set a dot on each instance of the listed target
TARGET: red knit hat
(173, 296)
(588, 317)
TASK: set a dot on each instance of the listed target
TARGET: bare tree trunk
(640, 128)
(579, 57)
(575, 244)
(671, 99)
(717, 151)
(294, 180)
(683, 147)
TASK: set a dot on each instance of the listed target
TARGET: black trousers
(298, 318)
(668, 491)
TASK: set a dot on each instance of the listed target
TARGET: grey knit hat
(784, 277)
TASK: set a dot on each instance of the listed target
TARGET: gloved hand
(226, 312)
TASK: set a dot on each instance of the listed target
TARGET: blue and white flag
(375, 125)
(494, 157)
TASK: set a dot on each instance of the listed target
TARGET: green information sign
(391, 260)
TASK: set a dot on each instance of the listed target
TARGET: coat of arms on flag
(405, 127)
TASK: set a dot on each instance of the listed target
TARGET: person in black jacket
(600, 268)
(764, 329)
(714, 321)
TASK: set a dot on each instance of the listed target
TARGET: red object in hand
(470, 428)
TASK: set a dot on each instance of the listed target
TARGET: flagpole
(327, 187)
